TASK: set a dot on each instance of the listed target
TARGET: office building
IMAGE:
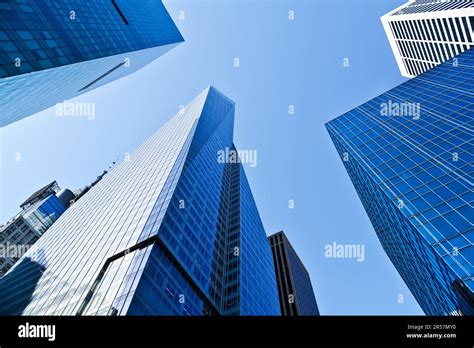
(173, 230)
(52, 51)
(409, 154)
(38, 213)
(294, 284)
(425, 33)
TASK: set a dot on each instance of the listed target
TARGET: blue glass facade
(172, 231)
(303, 289)
(210, 221)
(68, 48)
(258, 289)
(44, 213)
(413, 173)
(46, 33)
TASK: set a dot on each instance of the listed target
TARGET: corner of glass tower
(43, 66)
(408, 153)
(172, 231)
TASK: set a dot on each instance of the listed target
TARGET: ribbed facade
(425, 33)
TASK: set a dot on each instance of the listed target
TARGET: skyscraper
(294, 285)
(173, 230)
(409, 154)
(51, 51)
(38, 213)
(425, 33)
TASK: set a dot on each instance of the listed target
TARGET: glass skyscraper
(294, 284)
(173, 230)
(51, 51)
(409, 154)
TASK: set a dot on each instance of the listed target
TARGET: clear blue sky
(282, 62)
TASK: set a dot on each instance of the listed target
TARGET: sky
(282, 62)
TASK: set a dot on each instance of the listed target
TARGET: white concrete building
(425, 33)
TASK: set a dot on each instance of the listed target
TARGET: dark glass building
(174, 230)
(51, 50)
(294, 284)
(409, 154)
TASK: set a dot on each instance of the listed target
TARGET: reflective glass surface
(51, 51)
(44, 213)
(409, 154)
(171, 231)
(47, 33)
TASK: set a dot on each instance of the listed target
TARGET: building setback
(294, 284)
(409, 154)
(425, 33)
(51, 51)
(171, 231)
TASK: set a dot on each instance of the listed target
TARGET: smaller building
(294, 284)
(38, 213)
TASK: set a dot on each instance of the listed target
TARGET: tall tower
(174, 230)
(425, 33)
(409, 154)
(294, 284)
(52, 51)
